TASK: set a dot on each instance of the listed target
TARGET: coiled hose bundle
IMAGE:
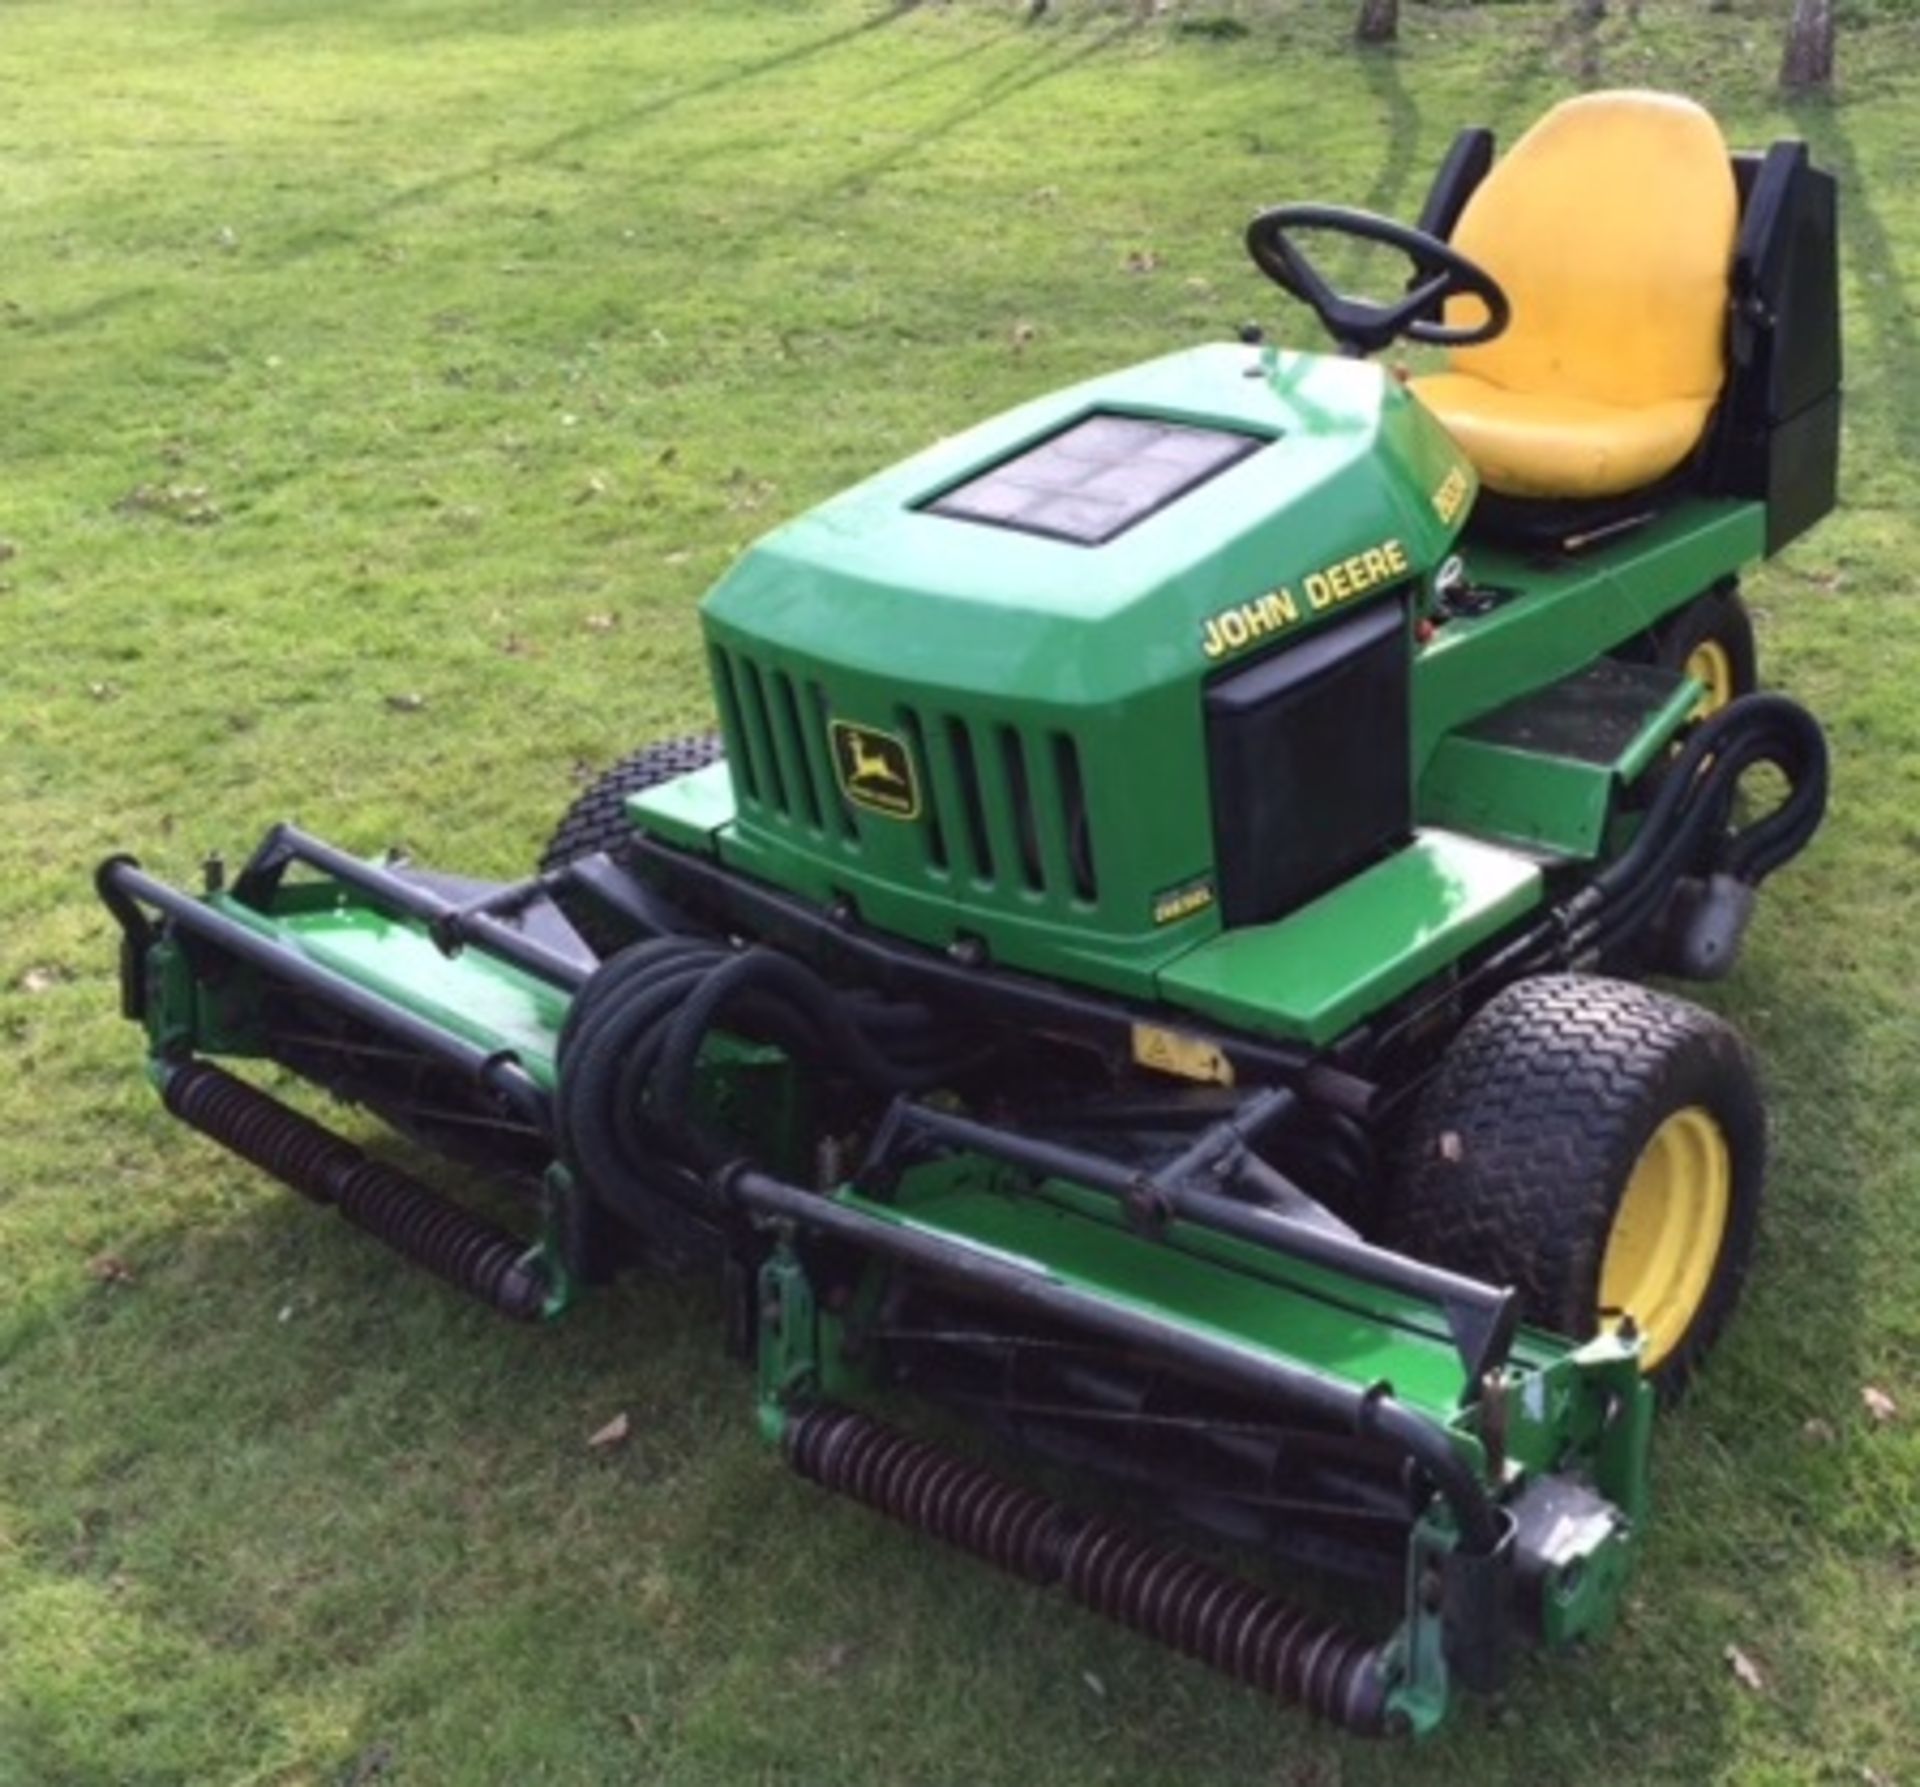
(624, 1109)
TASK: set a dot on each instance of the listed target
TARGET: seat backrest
(1611, 225)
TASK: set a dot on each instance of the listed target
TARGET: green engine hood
(872, 583)
(1027, 711)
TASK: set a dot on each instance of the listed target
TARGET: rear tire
(1711, 639)
(597, 820)
(1593, 1144)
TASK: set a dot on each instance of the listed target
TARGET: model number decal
(1451, 496)
(1234, 629)
(1176, 903)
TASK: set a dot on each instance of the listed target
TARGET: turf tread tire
(1520, 1148)
(597, 818)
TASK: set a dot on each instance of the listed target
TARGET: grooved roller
(392, 1206)
(1167, 1594)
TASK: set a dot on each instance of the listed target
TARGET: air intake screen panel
(1095, 479)
(1311, 766)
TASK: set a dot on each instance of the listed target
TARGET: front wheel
(597, 819)
(1600, 1147)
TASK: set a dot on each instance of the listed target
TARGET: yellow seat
(1611, 227)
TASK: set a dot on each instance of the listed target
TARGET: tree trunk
(1379, 21)
(1808, 63)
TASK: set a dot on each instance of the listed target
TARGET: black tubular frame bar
(450, 924)
(1371, 1412)
(735, 903)
(125, 888)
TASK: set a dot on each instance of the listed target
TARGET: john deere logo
(876, 771)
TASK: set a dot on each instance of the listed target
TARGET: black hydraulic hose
(1753, 730)
(1685, 823)
(625, 1109)
(1689, 814)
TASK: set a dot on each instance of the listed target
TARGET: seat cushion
(1544, 445)
(1611, 227)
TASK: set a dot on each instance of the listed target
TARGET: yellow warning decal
(875, 769)
(1185, 1057)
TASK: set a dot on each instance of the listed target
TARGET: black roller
(471, 1255)
(1164, 1593)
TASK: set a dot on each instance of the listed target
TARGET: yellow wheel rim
(1711, 666)
(1667, 1232)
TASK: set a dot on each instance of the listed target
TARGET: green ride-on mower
(1147, 963)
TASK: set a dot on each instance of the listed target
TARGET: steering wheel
(1365, 325)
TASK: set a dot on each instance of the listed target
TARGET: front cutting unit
(1147, 969)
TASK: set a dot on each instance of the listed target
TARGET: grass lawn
(381, 381)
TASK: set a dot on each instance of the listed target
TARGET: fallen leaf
(372, 1762)
(44, 978)
(102, 691)
(594, 486)
(613, 1434)
(1452, 1149)
(110, 1268)
(1023, 333)
(601, 623)
(1142, 260)
(1745, 1671)
(636, 1725)
(830, 1661)
(406, 704)
(1817, 1431)
(1880, 1405)
(189, 503)
(1872, 1777)
(1095, 1685)
(227, 239)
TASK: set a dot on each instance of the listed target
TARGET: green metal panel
(1571, 610)
(687, 811)
(1324, 968)
(1525, 797)
(471, 995)
(1535, 798)
(1250, 1297)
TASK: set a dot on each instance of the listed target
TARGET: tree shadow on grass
(1380, 69)
(1878, 284)
(1051, 59)
(347, 226)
